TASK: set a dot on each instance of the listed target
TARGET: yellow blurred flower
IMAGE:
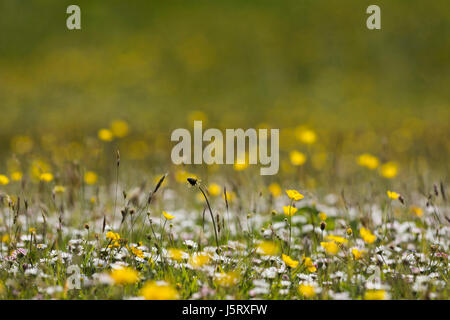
(4, 180)
(16, 176)
(267, 248)
(305, 135)
(240, 166)
(369, 161)
(294, 195)
(167, 216)
(90, 177)
(214, 189)
(309, 264)
(175, 254)
(336, 239)
(297, 158)
(416, 210)
(230, 196)
(389, 170)
(289, 210)
(330, 247)
(105, 135)
(158, 291)
(119, 128)
(59, 189)
(289, 261)
(375, 295)
(366, 235)
(46, 177)
(358, 253)
(137, 252)
(275, 189)
(5, 238)
(322, 216)
(38, 166)
(227, 279)
(307, 290)
(124, 276)
(393, 195)
(21, 144)
(199, 259)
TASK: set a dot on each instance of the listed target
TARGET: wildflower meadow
(93, 205)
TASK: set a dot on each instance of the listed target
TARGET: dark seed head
(192, 181)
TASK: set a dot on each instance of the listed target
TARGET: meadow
(92, 206)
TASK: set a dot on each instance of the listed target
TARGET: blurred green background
(240, 63)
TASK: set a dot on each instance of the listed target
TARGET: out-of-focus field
(360, 113)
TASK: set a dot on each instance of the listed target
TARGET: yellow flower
(167, 216)
(349, 231)
(336, 239)
(393, 195)
(16, 176)
(175, 254)
(289, 211)
(330, 247)
(289, 261)
(307, 290)
(358, 253)
(322, 216)
(199, 259)
(32, 230)
(227, 279)
(124, 276)
(21, 144)
(275, 189)
(369, 161)
(389, 170)
(119, 128)
(4, 180)
(214, 189)
(112, 236)
(375, 295)
(90, 177)
(105, 135)
(297, 158)
(230, 196)
(137, 252)
(305, 135)
(46, 176)
(309, 264)
(267, 248)
(240, 166)
(59, 189)
(5, 238)
(417, 211)
(367, 235)
(158, 291)
(294, 195)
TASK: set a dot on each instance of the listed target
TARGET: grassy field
(92, 207)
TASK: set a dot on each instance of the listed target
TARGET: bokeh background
(157, 65)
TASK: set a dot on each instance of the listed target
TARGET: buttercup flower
(330, 247)
(289, 210)
(289, 261)
(294, 195)
(367, 235)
